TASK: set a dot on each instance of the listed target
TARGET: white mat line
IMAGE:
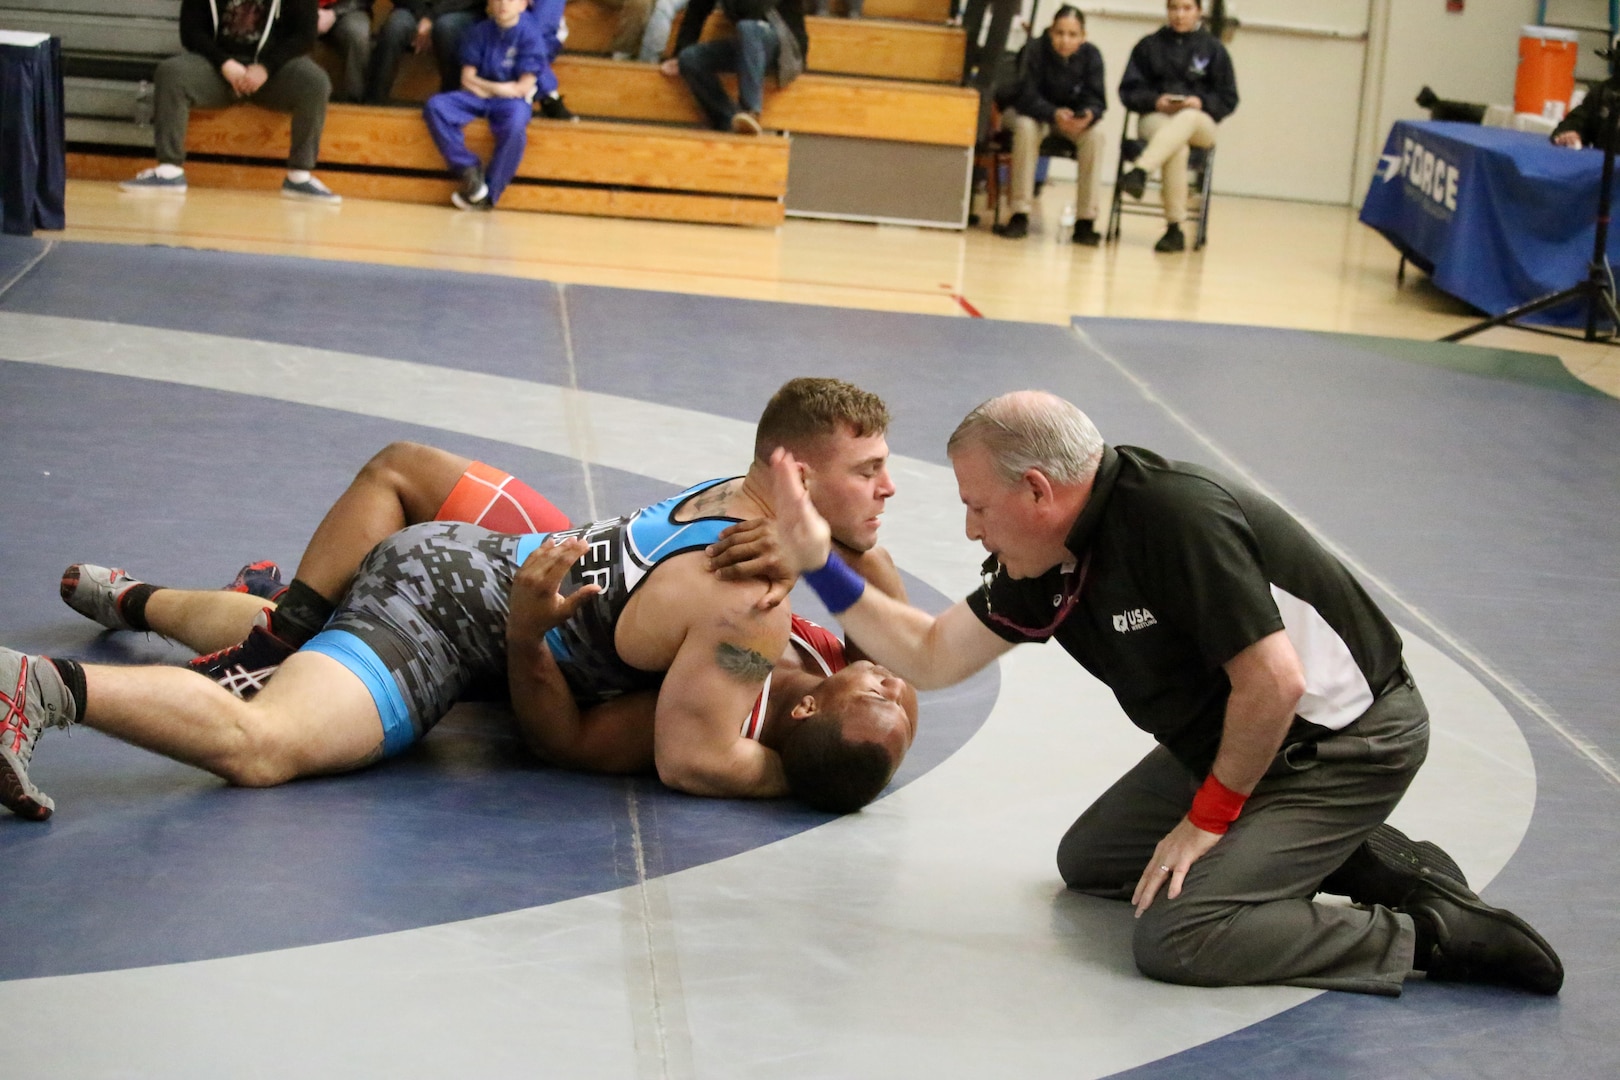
(50, 245)
(578, 424)
(1508, 685)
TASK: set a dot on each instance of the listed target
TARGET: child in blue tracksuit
(503, 60)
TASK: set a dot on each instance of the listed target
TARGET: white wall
(1321, 81)
(1468, 56)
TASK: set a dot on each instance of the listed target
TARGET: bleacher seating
(851, 133)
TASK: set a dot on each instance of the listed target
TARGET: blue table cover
(33, 168)
(1496, 217)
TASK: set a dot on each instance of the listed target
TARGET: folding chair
(1200, 182)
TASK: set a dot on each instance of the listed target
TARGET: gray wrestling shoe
(95, 591)
(1389, 866)
(32, 698)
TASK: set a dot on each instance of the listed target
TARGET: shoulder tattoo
(746, 664)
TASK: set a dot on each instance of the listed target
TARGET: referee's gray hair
(1032, 429)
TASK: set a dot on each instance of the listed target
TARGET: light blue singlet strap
(354, 654)
(654, 536)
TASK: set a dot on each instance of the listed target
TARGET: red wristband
(1215, 806)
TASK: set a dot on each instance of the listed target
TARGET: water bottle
(1065, 223)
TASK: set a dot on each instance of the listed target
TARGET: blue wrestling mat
(179, 413)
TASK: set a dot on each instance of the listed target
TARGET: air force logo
(1200, 65)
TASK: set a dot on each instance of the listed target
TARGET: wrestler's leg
(403, 484)
(315, 716)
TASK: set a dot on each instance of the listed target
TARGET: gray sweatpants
(188, 81)
(1245, 915)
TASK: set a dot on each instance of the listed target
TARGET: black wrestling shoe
(1016, 228)
(1460, 938)
(1388, 866)
(245, 667)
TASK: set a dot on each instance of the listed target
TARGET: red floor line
(962, 302)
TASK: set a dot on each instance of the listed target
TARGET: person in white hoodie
(241, 50)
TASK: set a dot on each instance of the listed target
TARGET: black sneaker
(1389, 866)
(1017, 227)
(1134, 182)
(245, 667)
(1171, 241)
(552, 108)
(1085, 232)
(1460, 938)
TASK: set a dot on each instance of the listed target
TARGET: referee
(1287, 725)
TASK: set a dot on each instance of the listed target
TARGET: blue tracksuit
(499, 56)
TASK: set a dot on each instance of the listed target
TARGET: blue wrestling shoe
(32, 698)
(245, 667)
(261, 579)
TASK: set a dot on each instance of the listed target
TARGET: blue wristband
(837, 585)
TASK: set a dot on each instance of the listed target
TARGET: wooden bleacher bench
(879, 48)
(856, 134)
(813, 104)
(379, 152)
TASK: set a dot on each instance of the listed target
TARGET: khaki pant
(1168, 137)
(631, 24)
(1027, 136)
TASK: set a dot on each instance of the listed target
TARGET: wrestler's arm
(615, 736)
(876, 565)
(716, 675)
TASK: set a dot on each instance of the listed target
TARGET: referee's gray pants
(1245, 915)
(189, 80)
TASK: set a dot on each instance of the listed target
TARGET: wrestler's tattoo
(707, 503)
(745, 664)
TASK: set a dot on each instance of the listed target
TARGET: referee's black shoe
(1388, 865)
(1460, 938)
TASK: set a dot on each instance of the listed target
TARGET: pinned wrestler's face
(847, 476)
(874, 704)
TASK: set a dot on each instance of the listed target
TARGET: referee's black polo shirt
(1179, 569)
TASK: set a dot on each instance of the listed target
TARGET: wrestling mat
(462, 910)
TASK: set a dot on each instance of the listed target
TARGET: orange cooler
(1546, 70)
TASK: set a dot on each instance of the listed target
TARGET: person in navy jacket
(1060, 92)
(1180, 79)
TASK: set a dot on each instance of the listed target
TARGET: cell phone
(1176, 97)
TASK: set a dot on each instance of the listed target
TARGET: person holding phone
(1180, 78)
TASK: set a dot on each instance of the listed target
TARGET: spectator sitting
(346, 25)
(1060, 91)
(986, 46)
(547, 15)
(659, 26)
(1181, 80)
(502, 59)
(418, 25)
(629, 25)
(768, 32)
(241, 50)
